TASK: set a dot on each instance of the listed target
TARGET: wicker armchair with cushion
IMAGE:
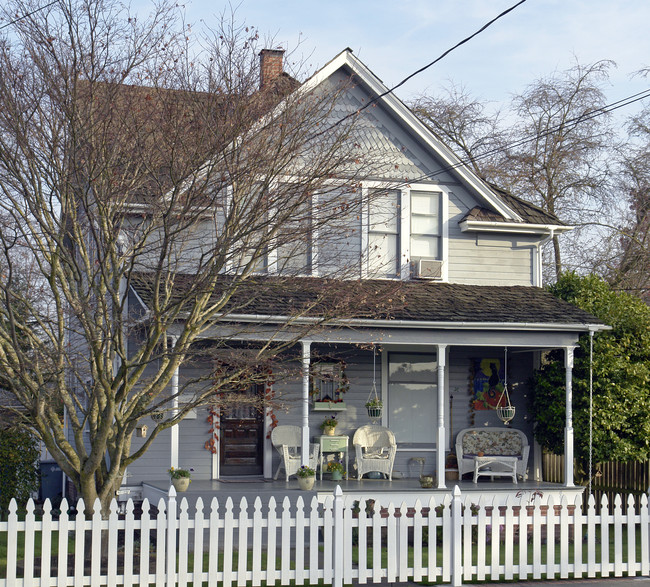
(375, 449)
(287, 440)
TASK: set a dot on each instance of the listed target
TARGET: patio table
(495, 466)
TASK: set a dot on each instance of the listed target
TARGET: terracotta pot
(329, 430)
(181, 484)
(307, 483)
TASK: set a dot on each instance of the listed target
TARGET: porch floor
(398, 490)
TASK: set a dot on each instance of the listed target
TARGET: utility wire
(28, 14)
(518, 143)
(447, 52)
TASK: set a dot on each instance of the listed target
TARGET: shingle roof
(419, 301)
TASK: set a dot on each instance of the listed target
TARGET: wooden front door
(241, 439)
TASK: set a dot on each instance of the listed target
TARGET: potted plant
(336, 470)
(306, 477)
(374, 407)
(329, 425)
(180, 479)
(451, 467)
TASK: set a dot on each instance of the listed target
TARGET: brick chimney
(270, 66)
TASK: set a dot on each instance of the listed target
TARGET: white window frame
(404, 226)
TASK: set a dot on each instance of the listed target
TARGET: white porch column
(304, 451)
(442, 435)
(174, 429)
(568, 430)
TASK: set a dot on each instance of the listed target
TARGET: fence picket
(376, 543)
(46, 542)
(417, 541)
(258, 529)
(271, 548)
(537, 540)
(300, 541)
(550, 538)
(242, 547)
(432, 533)
(183, 543)
(578, 518)
(591, 537)
(314, 529)
(362, 540)
(604, 537)
(213, 561)
(144, 565)
(481, 550)
(12, 542)
(80, 543)
(468, 524)
(113, 528)
(522, 521)
(644, 522)
(618, 536)
(285, 542)
(161, 542)
(391, 545)
(509, 527)
(402, 543)
(564, 537)
(128, 543)
(30, 522)
(347, 544)
(631, 537)
(199, 531)
(228, 546)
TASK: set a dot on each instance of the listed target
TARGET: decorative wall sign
(487, 383)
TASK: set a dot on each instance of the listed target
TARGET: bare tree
(465, 124)
(129, 158)
(560, 146)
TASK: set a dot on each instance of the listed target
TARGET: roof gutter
(421, 324)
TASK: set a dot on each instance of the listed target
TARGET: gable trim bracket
(512, 227)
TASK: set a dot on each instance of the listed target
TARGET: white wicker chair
(287, 440)
(375, 449)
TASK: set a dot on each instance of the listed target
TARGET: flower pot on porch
(451, 474)
(181, 484)
(374, 412)
(336, 475)
(329, 430)
(307, 483)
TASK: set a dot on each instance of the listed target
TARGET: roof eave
(513, 227)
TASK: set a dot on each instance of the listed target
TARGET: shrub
(19, 472)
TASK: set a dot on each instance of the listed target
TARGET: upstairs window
(383, 233)
(425, 225)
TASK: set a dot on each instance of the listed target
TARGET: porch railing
(339, 541)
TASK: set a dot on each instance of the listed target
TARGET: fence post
(172, 524)
(456, 538)
(337, 550)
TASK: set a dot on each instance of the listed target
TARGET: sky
(396, 37)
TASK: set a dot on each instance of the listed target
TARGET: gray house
(451, 269)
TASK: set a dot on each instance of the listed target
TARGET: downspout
(538, 246)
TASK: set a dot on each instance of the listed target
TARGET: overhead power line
(524, 140)
(407, 78)
(28, 14)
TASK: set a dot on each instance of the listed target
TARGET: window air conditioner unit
(428, 269)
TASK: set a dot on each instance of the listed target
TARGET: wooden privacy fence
(610, 478)
(447, 539)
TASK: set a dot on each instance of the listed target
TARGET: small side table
(495, 467)
(333, 444)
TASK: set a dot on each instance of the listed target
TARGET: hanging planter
(374, 405)
(505, 410)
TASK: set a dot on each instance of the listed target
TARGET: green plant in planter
(330, 422)
(334, 467)
(179, 473)
(374, 403)
(306, 472)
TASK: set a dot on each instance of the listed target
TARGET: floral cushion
(492, 443)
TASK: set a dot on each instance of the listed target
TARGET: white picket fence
(340, 542)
